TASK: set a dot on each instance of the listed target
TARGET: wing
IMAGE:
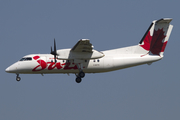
(83, 50)
(83, 45)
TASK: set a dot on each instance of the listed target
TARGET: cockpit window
(22, 59)
(26, 59)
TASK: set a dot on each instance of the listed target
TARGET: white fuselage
(113, 60)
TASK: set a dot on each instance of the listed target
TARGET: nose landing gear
(18, 78)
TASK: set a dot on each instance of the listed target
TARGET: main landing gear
(18, 78)
(79, 76)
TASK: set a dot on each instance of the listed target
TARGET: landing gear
(81, 74)
(18, 78)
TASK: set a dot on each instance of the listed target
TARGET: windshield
(25, 59)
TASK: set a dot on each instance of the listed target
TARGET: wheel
(18, 79)
(81, 74)
(78, 79)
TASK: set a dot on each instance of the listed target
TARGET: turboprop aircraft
(82, 58)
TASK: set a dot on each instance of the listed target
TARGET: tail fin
(155, 39)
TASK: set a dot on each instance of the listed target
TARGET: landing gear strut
(18, 78)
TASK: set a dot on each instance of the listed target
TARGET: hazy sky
(139, 93)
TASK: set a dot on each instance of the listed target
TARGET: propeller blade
(54, 52)
(55, 58)
(55, 46)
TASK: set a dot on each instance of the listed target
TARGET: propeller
(54, 52)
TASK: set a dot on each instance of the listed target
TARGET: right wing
(83, 50)
(83, 45)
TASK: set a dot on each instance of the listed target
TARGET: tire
(81, 74)
(18, 79)
(78, 79)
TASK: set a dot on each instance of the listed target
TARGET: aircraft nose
(11, 69)
(7, 69)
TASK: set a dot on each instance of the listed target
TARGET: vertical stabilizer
(156, 37)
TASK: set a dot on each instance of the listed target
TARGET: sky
(138, 93)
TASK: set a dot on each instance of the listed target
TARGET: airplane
(83, 58)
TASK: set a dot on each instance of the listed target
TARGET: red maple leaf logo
(155, 43)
